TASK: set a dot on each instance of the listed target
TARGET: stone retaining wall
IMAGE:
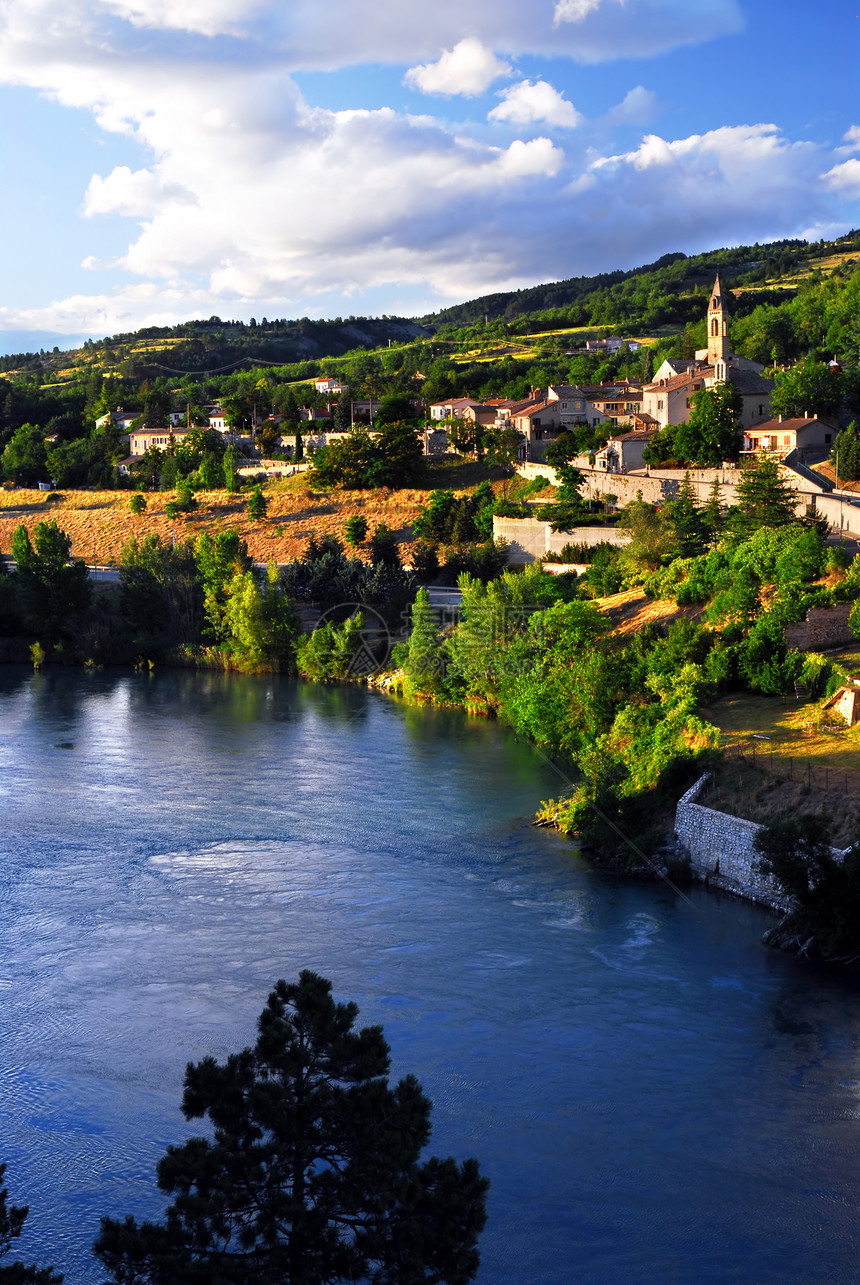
(823, 627)
(721, 850)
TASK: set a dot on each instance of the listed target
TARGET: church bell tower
(718, 327)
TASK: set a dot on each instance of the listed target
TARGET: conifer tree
(691, 531)
(423, 665)
(765, 499)
(312, 1171)
(258, 505)
(713, 513)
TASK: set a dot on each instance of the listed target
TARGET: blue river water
(654, 1095)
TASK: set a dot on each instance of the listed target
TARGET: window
(827, 439)
(786, 441)
(660, 404)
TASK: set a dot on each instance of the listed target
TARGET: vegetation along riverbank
(630, 670)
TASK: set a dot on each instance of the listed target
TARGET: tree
(219, 558)
(160, 593)
(54, 586)
(231, 484)
(710, 436)
(813, 388)
(312, 1172)
(258, 505)
(355, 529)
(399, 455)
(825, 890)
(185, 502)
(384, 547)
(12, 1219)
(24, 460)
(764, 499)
(503, 448)
(423, 664)
(690, 526)
(137, 503)
(342, 420)
(711, 433)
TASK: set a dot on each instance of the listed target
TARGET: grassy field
(100, 522)
(791, 738)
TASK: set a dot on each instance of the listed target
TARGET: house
(218, 420)
(142, 439)
(455, 408)
(809, 437)
(330, 386)
(120, 419)
(611, 345)
(595, 404)
(624, 452)
(668, 398)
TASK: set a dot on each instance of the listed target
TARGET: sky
(171, 159)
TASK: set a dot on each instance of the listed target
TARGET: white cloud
(469, 69)
(574, 10)
(851, 141)
(254, 201)
(137, 193)
(638, 106)
(526, 102)
(845, 178)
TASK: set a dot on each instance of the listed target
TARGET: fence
(795, 769)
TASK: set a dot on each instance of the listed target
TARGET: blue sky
(166, 159)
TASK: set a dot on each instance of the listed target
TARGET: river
(654, 1095)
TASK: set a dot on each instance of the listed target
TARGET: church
(668, 398)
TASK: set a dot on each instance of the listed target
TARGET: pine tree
(713, 512)
(765, 499)
(691, 531)
(311, 1172)
(258, 505)
(342, 421)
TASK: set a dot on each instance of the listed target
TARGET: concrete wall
(529, 539)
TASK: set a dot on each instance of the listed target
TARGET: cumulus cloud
(137, 193)
(526, 103)
(638, 106)
(845, 178)
(250, 199)
(469, 69)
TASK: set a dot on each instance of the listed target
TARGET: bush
(137, 503)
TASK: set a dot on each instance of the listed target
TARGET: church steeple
(718, 326)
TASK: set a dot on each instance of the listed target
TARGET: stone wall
(823, 627)
(721, 850)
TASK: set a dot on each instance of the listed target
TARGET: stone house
(624, 452)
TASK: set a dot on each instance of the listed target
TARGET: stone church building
(668, 398)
